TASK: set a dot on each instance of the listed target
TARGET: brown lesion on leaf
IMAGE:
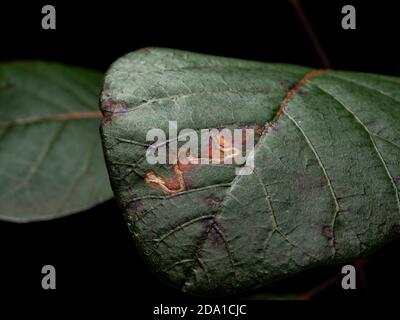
(214, 235)
(259, 130)
(112, 108)
(328, 233)
(397, 181)
(168, 186)
(212, 201)
(225, 150)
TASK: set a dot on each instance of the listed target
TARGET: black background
(93, 252)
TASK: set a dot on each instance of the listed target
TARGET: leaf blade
(49, 121)
(310, 200)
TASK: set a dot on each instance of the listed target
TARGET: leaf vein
(375, 147)
(327, 178)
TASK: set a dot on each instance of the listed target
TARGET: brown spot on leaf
(327, 232)
(134, 207)
(112, 108)
(259, 130)
(397, 180)
(215, 236)
(212, 201)
(169, 186)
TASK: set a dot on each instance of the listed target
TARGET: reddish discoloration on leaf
(167, 185)
(112, 108)
(259, 130)
(327, 232)
(178, 183)
(212, 201)
(185, 166)
(214, 236)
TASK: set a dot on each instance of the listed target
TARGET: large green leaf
(51, 163)
(325, 188)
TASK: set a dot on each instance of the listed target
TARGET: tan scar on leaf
(177, 184)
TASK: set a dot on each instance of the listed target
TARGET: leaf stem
(311, 33)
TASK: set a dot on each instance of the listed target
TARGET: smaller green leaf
(51, 163)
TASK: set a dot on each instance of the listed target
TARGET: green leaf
(325, 188)
(51, 163)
